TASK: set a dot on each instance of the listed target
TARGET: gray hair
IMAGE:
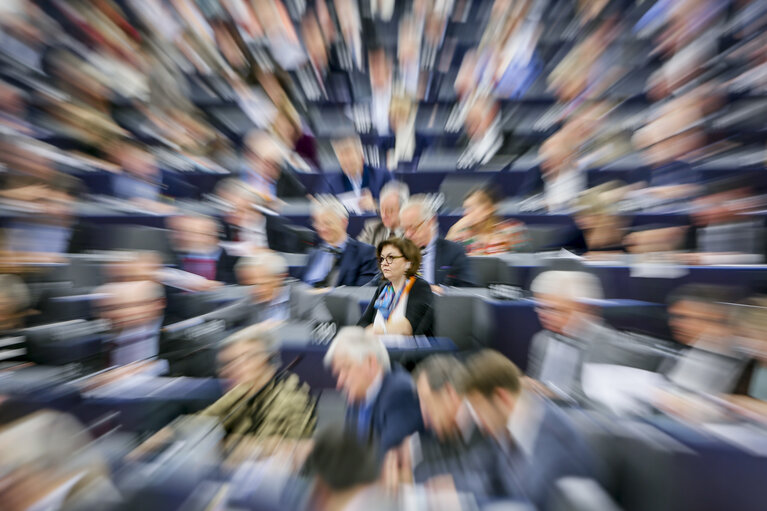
(426, 205)
(358, 343)
(441, 370)
(329, 204)
(255, 334)
(575, 285)
(272, 262)
(14, 289)
(396, 187)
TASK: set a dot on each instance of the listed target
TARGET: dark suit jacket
(396, 413)
(558, 451)
(451, 265)
(356, 267)
(289, 186)
(419, 311)
(372, 178)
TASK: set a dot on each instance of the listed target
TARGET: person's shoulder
(421, 285)
(448, 246)
(398, 380)
(359, 245)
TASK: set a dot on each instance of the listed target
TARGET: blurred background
(193, 194)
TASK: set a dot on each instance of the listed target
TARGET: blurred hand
(367, 202)
(437, 290)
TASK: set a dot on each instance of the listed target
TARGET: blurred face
(691, 320)
(390, 211)
(416, 229)
(353, 377)
(330, 228)
(264, 285)
(137, 162)
(554, 312)
(490, 412)
(393, 263)
(265, 157)
(242, 362)
(129, 310)
(195, 235)
(438, 408)
(478, 209)
(349, 155)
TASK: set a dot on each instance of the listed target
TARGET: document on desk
(181, 279)
(624, 390)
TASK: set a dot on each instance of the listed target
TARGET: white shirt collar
(465, 421)
(525, 421)
(374, 389)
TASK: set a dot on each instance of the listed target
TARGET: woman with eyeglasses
(403, 303)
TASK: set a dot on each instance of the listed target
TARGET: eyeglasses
(415, 227)
(388, 259)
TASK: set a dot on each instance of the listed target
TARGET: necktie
(330, 279)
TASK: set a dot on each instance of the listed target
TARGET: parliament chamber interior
(340, 255)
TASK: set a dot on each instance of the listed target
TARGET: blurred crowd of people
(117, 268)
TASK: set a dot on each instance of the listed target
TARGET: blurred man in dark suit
(195, 243)
(339, 260)
(383, 406)
(358, 178)
(267, 171)
(452, 444)
(443, 263)
(536, 443)
(245, 223)
(134, 311)
(393, 195)
(276, 297)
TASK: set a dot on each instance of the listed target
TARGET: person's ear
(505, 398)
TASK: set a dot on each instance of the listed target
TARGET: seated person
(195, 242)
(393, 195)
(363, 181)
(383, 406)
(699, 318)
(245, 223)
(139, 180)
(134, 311)
(481, 231)
(598, 222)
(14, 303)
(574, 335)
(49, 464)
(536, 443)
(257, 406)
(403, 302)
(452, 444)
(751, 323)
(134, 266)
(276, 297)
(266, 170)
(559, 179)
(723, 231)
(339, 260)
(443, 262)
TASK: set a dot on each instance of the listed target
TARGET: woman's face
(477, 209)
(395, 269)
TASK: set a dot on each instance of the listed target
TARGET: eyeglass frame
(389, 259)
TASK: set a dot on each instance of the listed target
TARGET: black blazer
(419, 311)
(451, 265)
(356, 267)
(289, 186)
